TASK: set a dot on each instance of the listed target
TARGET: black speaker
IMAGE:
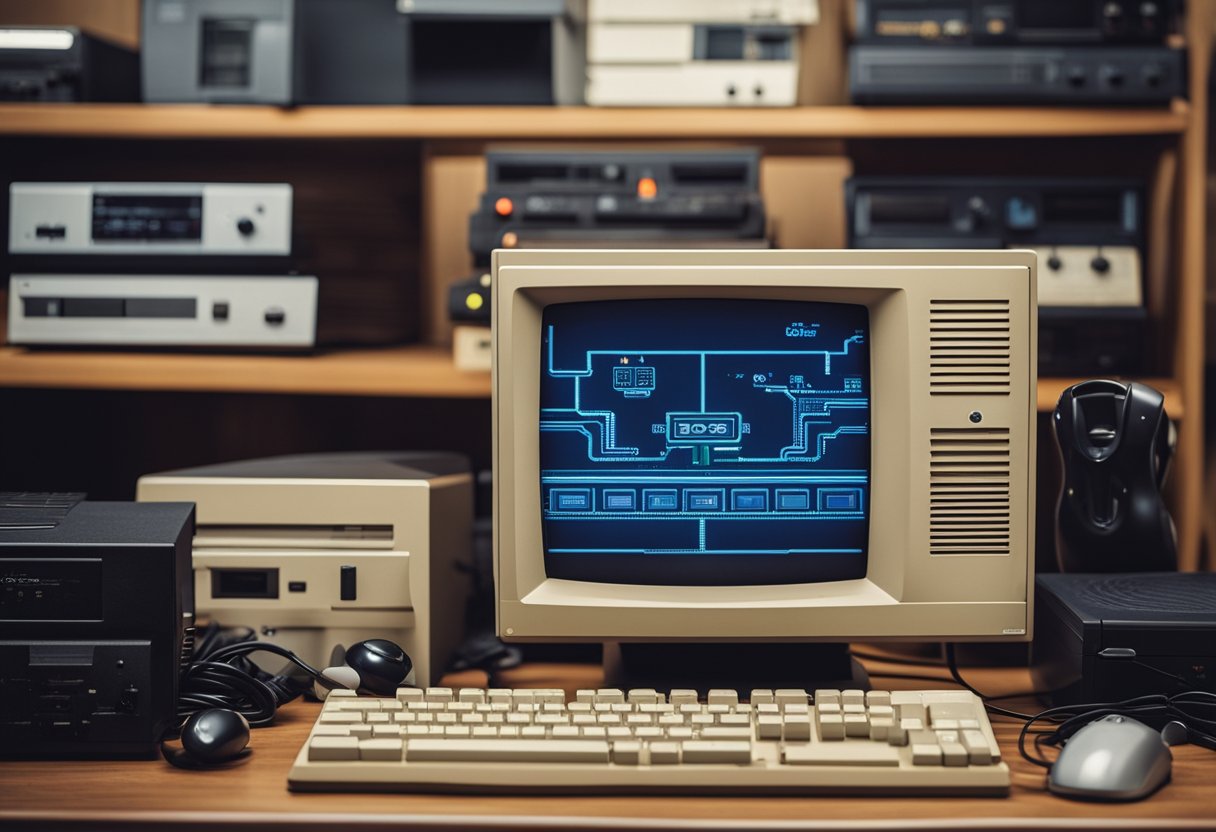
(1116, 442)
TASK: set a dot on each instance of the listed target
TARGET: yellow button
(474, 301)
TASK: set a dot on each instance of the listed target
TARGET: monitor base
(739, 665)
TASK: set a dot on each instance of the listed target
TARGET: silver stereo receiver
(149, 218)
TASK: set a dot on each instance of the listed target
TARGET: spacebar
(507, 751)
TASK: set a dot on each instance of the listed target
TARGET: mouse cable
(1187, 707)
(952, 666)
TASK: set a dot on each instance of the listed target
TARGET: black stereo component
(96, 624)
(610, 199)
(1088, 233)
(992, 212)
(1116, 442)
(1032, 22)
(62, 63)
(1106, 638)
(1064, 75)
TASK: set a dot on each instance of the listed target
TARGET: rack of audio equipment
(811, 148)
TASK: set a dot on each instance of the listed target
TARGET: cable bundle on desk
(221, 675)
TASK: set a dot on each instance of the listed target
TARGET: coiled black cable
(221, 675)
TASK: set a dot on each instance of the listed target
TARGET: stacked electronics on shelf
(1066, 52)
(672, 53)
(363, 51)
(62, 63)
(1089, 235)
(152, 264)
(603, 199)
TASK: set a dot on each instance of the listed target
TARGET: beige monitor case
(952, 448)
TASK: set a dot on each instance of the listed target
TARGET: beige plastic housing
(407, 539)
(952, 340)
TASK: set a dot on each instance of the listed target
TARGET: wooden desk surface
(152, 795)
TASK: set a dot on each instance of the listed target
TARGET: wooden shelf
(393, 371)
(185, 121)
(389, 371)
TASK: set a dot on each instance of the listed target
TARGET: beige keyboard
(499, 740)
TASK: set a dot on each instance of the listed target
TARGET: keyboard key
(827, 696)
(852, 697)
(843, 754)
(664, 753)
(721, 696)
(762, 696)
(609, 695)
(439, 695)
(699, 751)
(330, 749)
(714, 732)
(878, 697)
(627, 752)
(506, 751)
(791, 696)
(643, 696)
(796, 728)
(381, 750)
(471, 695)
(954, 754)
(978, 751)
(340, 717)
(831, 727)
(683, 696)
(856, 725)
(768, 727)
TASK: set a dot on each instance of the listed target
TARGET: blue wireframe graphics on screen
(705, 441)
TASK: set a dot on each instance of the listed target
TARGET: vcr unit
(610, 199)
(96, 624)
(1066, 52)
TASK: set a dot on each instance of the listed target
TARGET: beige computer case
(953, 439)
(403, 521)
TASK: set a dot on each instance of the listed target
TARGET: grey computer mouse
(1112, 758)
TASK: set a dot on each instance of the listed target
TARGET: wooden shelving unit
(808, 150)
(188, 121)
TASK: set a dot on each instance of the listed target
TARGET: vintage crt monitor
(320, 550)
(722, 447)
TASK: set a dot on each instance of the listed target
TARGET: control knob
(1153, 75)
(1075, 75)
(245, 226)
(1055, 263)
(1099, 264)
(1111, 75)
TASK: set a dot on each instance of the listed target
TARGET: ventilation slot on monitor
(969, 491)
(968, 347)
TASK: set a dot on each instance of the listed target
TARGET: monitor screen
(705, 441)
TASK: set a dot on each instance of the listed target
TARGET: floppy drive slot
(293, 536)
(304, 589)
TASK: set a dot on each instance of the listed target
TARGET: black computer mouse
(1112, 758)
(215, 735)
